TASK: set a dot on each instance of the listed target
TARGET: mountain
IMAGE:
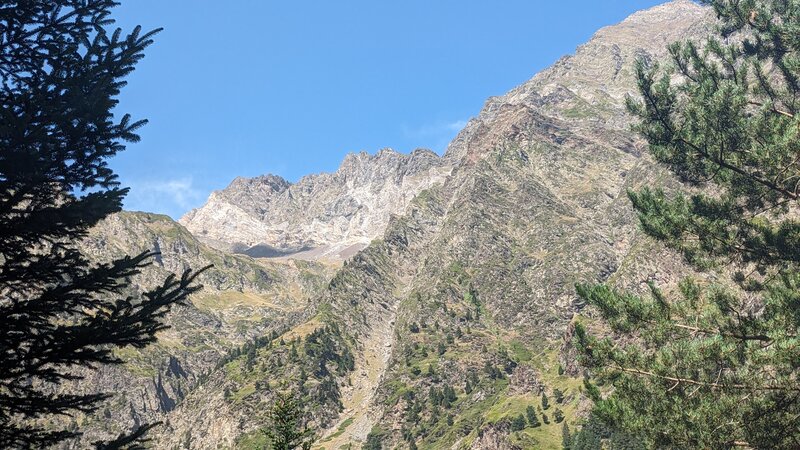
(439, 302)
(329, 215)
(242, 299)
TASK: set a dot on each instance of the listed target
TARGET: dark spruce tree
(533, 419)
(558, 395)
(61, 70)
(566, 437)
(286, 430)
(715, 363)
(518, 423)
(374, 440)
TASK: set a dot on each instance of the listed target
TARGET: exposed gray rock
(494, 437)
(328, 215)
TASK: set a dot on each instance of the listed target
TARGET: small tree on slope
(717, 363)
(286, 430)
(60, 73)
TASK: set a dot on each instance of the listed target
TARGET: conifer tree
(558, 395)
(518, 423)
(545, 401)
(533, 419)
(62, 68)
(449, 393)
(434, 395)
(286, 430)
(374, 441)
(472, 376)
(714, 364)
(566, 437)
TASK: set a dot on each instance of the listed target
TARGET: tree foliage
(374, 440)
(594, 434)
(61, 69)
(533, 419)
(287, 430)
(566, 437)
(518, 423)
(714, 363)
(558, 395)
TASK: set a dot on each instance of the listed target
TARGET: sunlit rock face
(328, 215)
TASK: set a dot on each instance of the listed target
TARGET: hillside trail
(359, 414)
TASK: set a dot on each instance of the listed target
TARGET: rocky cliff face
(329, 215)
(242, 299)
(455, 317)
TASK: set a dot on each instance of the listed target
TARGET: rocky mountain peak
(271, 182)
(591, 84)
(327, 215)
(334, 214)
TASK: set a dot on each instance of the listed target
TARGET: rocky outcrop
(589, 87)
(328, 215)
(494, 437)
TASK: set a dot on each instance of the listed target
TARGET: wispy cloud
(172, 196)
(457, 126)
(435, 135)
(435, 129)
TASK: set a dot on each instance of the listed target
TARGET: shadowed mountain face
(451, 312)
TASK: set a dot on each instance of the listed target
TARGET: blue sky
(247, 87)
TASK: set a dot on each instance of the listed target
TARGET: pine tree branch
(744, 337)
(714, 385)
(773, 109)
(659, 116)
(129, 441)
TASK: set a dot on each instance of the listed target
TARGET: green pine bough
(62, 67)
(714, 362)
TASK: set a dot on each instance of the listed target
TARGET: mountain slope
(537, 204)
(458, 318)
(242, 299)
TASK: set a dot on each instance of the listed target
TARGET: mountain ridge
(482, 266)
(446, 313)
(325, 215)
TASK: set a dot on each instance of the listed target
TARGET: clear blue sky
(247, 87)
